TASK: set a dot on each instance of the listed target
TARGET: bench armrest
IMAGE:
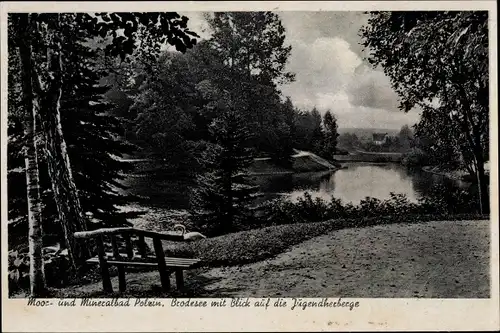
(128, 230)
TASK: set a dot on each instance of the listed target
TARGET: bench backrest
(124, 238)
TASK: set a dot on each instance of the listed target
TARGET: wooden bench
(140, 258)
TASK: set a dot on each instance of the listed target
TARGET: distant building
(380, 138)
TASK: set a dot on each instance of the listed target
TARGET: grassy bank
(302, 161)
(259, 244)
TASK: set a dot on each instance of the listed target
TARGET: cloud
(350, 115)
(197, 23)
(372, 88)
(331, 73)
(309, 26)
(323, 66)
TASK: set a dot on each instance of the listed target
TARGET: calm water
(353, 184)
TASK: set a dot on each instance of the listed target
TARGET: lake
(356, 182)
(352, 184)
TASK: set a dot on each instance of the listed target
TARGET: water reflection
(355, 183)
(352, 184)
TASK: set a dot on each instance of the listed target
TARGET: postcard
(249, 166)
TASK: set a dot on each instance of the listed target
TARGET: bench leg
(103, 264)
(106, 280)
(162, 266)
(121, 278)
(179, 278)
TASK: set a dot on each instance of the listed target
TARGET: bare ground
(445, 259)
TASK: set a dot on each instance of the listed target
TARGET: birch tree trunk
(37, 275)
(49, 92)
(63, 185)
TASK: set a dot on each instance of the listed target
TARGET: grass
(250, 246)
(259, 244)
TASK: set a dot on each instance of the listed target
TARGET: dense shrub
(439, 200)
(56, 265)
(415, 157)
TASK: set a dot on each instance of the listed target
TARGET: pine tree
(252, 48)
(94, 145)
(222, 197)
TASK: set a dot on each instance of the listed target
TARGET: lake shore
(450, 174)
(367, 156)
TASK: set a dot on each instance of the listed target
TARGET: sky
(331, 72)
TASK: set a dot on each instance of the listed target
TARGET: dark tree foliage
(317, 137)
(330, 136)
(221, 199)
(251, 46)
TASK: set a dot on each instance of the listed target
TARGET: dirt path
(434, 259)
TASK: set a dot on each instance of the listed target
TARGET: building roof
(379, 136)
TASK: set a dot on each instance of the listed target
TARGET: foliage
(405, 138)
(245, 56)
(416, 157)
(348, 141)
(56, 263)
(251, 44)
(222, 195)
(445, 75)
(309, 133)
(91, 135)
(55, 65)
(330, 136)
(165, 106)
(440, 200)
(251, 47)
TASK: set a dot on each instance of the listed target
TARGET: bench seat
(165, 264)
(150, 261)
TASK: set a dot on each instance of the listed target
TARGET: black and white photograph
(248, 154)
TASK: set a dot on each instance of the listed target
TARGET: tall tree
(164, 106)
(438, 61)
(251, 46)
(37, 276)
(47, 35)
(317, 137)
(331, 135)
(405, 137)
